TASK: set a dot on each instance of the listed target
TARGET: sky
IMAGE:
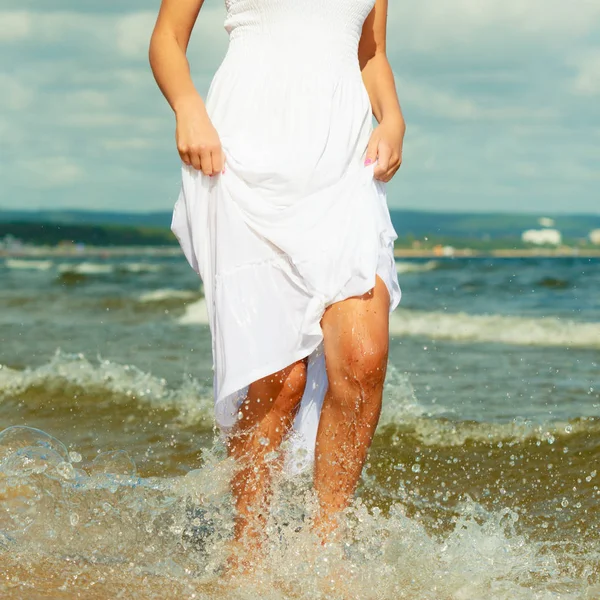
(501, 100)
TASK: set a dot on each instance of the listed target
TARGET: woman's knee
(361, 364)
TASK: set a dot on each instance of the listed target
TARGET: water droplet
(74, 519)
(564, 503)
(416, 468)
(569, 428)
(263, 441)
(75, 457)
(66, 470)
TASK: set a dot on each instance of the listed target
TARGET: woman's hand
(385, 147)
(198, 142)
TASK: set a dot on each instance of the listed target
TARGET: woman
(282, 212)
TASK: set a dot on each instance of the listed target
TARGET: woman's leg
(356, 339)
(268, 413)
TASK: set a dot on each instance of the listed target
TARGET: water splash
(100, 518)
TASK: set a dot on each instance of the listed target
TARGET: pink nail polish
(368, 161)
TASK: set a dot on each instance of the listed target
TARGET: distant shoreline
(166, 251)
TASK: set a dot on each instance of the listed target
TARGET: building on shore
(595, 237)
(542, 237)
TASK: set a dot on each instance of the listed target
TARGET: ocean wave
(139, 267)
(447, 433)
(68, 374)
(521, 331)
(28, 264)
(166, 295)
(403, 266)
(86, 268)
(195, 314)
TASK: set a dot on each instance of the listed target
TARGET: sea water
(482, 482)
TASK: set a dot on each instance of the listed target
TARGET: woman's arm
(197, 140)
(386, 142)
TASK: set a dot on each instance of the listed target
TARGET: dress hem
(265, 371)
(269, 369)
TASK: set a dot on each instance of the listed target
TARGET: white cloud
(129, 143)
(133, 33)
(436, 101)
(15, 95)
(434, 24)
(14, 25)
(587, 81)
(49, 171)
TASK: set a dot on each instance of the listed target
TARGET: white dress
(297, 222)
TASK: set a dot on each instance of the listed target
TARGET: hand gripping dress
(296, 222)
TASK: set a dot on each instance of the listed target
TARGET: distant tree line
(52, 234)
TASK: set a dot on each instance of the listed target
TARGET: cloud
(500, 99)
(431, 101)
(15, 95)
(587, 81)
(429, 25)
(133, 32)
(14, 25)
(50, 171)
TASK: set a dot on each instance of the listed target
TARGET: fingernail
(368, 161)
(223, 171)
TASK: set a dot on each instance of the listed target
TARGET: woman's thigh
(356, 334)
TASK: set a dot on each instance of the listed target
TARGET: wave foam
(403, 266)
(522, 331)
(193, 401)
(139, 267)
(195, 314)
(27, 264)
(86, 268)
(166, 294)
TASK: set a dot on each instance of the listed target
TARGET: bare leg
(356, 339)
(267, 416)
